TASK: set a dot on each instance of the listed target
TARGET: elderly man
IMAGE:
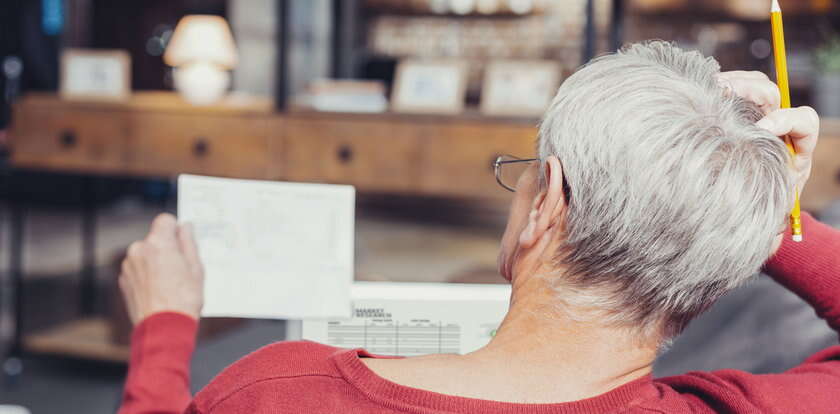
(661, 184)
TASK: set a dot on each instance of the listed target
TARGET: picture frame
(521, 88)
(88, 74)
(429, 87)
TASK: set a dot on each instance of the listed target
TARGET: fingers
(752, 86)
(163, 230)
(134, 263)
(765, 94)
(801, 124)
(163, 272)
(186, 241)
(127, 295)
(749, 74)
(134, 257)
(128, 268)
(127, 279)
(135, 249)
(727, 79)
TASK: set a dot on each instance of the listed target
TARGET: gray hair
(675, 196)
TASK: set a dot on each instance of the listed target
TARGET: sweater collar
(400, 397)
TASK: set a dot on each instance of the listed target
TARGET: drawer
(374, 156)
(458, 158)
(166, 144)
(69, 139)
(824, 185)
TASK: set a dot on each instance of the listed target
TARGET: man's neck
(540, 354)
(552, 351)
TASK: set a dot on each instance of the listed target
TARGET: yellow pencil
(784, 88)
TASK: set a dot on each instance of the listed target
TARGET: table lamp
(202, 52)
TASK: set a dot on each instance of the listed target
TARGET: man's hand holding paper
(269, 250)
(163, 272)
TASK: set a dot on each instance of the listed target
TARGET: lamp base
(201, 83)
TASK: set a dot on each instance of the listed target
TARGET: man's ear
(547, 205)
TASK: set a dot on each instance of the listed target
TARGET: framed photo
(431, 87)
(95, 74)
(519, 88)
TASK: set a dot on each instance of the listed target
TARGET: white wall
(254, 26)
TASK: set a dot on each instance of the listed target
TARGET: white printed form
(272, 249)
(409, 319)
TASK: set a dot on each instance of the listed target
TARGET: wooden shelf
(407, 8)
(159, 101)
(450, 15)
(82, 338)
(378, 153)
(712, 15)
(469, 114)
(94, 338)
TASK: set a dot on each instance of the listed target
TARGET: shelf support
(617, 29)
(589, 32)
(281, 89)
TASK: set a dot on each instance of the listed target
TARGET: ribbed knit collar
(399, 397)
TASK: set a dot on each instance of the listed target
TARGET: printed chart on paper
(409, 319)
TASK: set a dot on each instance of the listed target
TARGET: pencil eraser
(797, 238)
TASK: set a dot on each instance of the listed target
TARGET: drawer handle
(201, 147)
(67, 139)
(345, 154)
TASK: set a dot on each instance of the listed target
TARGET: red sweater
(306, 377)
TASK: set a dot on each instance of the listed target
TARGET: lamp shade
(201, 38)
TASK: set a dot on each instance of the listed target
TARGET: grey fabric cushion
(831, 215)
(760, 328)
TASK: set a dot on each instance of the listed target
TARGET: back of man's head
(676, 196)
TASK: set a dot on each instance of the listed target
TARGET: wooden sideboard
(156, 134)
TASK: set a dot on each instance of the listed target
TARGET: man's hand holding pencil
(801, 124)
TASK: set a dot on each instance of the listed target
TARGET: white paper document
(271, 249)
(409, 319)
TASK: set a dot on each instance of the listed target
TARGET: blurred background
(104, 103)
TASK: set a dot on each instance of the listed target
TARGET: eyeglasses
(508, 169)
